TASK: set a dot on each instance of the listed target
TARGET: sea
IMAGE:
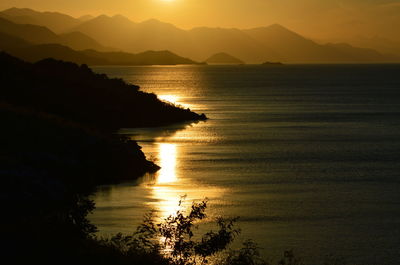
(307, 156)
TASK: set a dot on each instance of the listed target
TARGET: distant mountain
(290, 46)
(32, 53)
(257, 45)
(223, 58)
(31, 33)
(109, 30)
(272, 43)
(85, 18)
(232, 41)
(378, 43)
(355, 54)
(79, 41)
(39, 52)
(9, 42)
(120, 32)
(42, 35)
(197, 44)
(55, 21)
(144, 58)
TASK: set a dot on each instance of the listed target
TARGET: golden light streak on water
(164, 190)
(176, 100)
(169, 98)
(167, 158)
(169, 189)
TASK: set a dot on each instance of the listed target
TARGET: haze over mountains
(271, 43)
(223, 58)
(33, 43)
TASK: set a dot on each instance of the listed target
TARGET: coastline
(60, 144)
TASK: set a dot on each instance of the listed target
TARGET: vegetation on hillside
(78, 94)
(48, 167)
(57, 145)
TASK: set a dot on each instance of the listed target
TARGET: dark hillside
(76, 93)
(57, 145)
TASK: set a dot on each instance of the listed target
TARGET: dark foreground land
(57, 145)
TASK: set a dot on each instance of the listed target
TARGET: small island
(272, 63)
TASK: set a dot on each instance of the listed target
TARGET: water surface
(307, 155)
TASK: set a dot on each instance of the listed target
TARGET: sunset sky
(324, 19)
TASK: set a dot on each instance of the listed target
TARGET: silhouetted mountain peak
(31, 33)
(86, 18)
(121, 18)
(101, 17)
(223, 58)
(157, 23)
(55, 21)
(164, 52)
(117, 20)
(80, 41)
(14, 11)
(277, 27)
(270, 43)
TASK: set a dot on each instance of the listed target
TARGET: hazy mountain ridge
(55, 21)
(271, 43)
(42, 35)
(378, 43)
(31, 33)
(33, 53)
(22, 41)
(223, 58)
(275, 42)
(80, 41)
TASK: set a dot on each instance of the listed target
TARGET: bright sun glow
(167, 153)
(169, 187)
(169, 98)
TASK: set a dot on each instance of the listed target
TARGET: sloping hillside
(223, 58)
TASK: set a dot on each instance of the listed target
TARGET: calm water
(308, 156)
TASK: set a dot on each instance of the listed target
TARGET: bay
(307, 155)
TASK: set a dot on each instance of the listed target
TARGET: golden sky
(323, 19)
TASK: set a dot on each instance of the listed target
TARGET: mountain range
(32, 53)
(33, 43)
(118, 33)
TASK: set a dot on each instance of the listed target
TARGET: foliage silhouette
(56, 148)
(78, 94)
(175, 238)
(248, 255)
(174, 241)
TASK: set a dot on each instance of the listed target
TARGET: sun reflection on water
(167, 157)
(164, 190)
(174, 180)
(176, 100)
(170, 98)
